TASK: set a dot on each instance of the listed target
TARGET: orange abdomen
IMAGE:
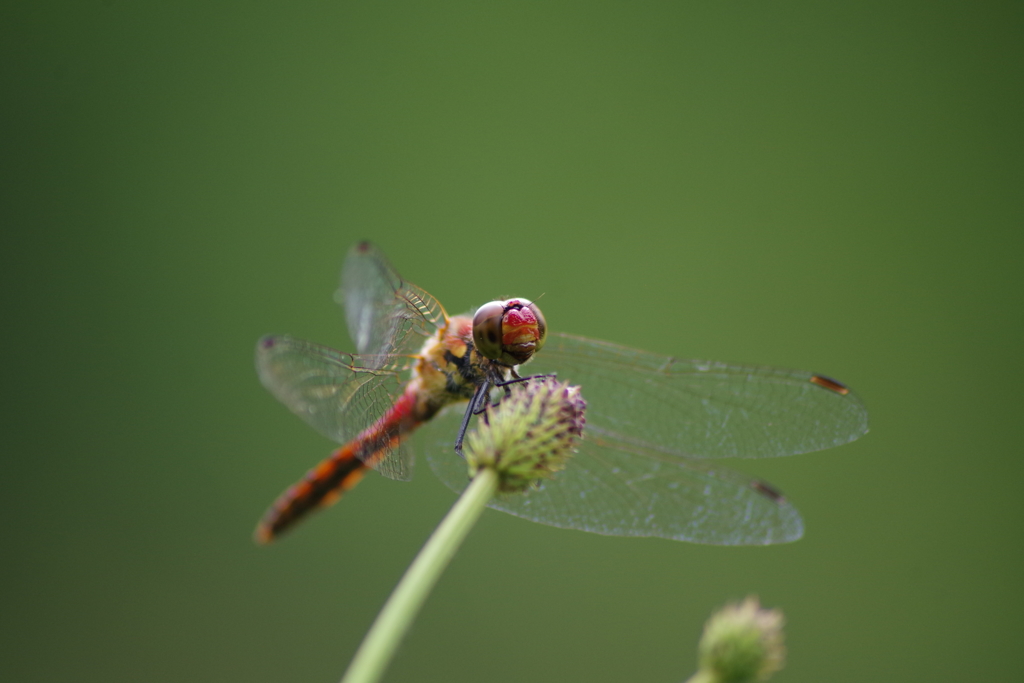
(323, 485)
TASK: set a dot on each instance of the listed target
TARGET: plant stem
(389, 628)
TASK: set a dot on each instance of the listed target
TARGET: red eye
(542, 326)
(522, 331)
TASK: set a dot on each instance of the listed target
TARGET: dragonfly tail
(324, 484)
(321, 487)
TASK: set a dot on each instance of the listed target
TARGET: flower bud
(529, 436)
(742, 643)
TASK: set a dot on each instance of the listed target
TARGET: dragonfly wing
(338, 394)
(703, 409)
(386, 315)
(615, 488)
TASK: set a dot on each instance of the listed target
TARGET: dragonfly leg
(475, 407)
(482, 405)
(516, 380)
(478, 404)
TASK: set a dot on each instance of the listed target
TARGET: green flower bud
(742, 643)
(529, 436)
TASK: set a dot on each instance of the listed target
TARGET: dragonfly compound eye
(487, 329)
(542, 326)
(522, 331)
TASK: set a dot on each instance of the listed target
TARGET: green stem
(701, 677)
(394, 620)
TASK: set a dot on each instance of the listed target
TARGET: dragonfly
(657, 427)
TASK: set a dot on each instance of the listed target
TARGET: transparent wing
(386, 315)
(338, 394)
(618, 488)
(702, 409)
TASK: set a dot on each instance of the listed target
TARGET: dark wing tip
(830, 384)
(768, 491)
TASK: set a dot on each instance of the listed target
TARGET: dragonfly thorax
(451, 364)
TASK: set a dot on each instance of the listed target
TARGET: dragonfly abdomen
(324, 484)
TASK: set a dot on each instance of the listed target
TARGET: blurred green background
(829, 187)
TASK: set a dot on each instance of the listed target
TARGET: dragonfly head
(509, 332)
